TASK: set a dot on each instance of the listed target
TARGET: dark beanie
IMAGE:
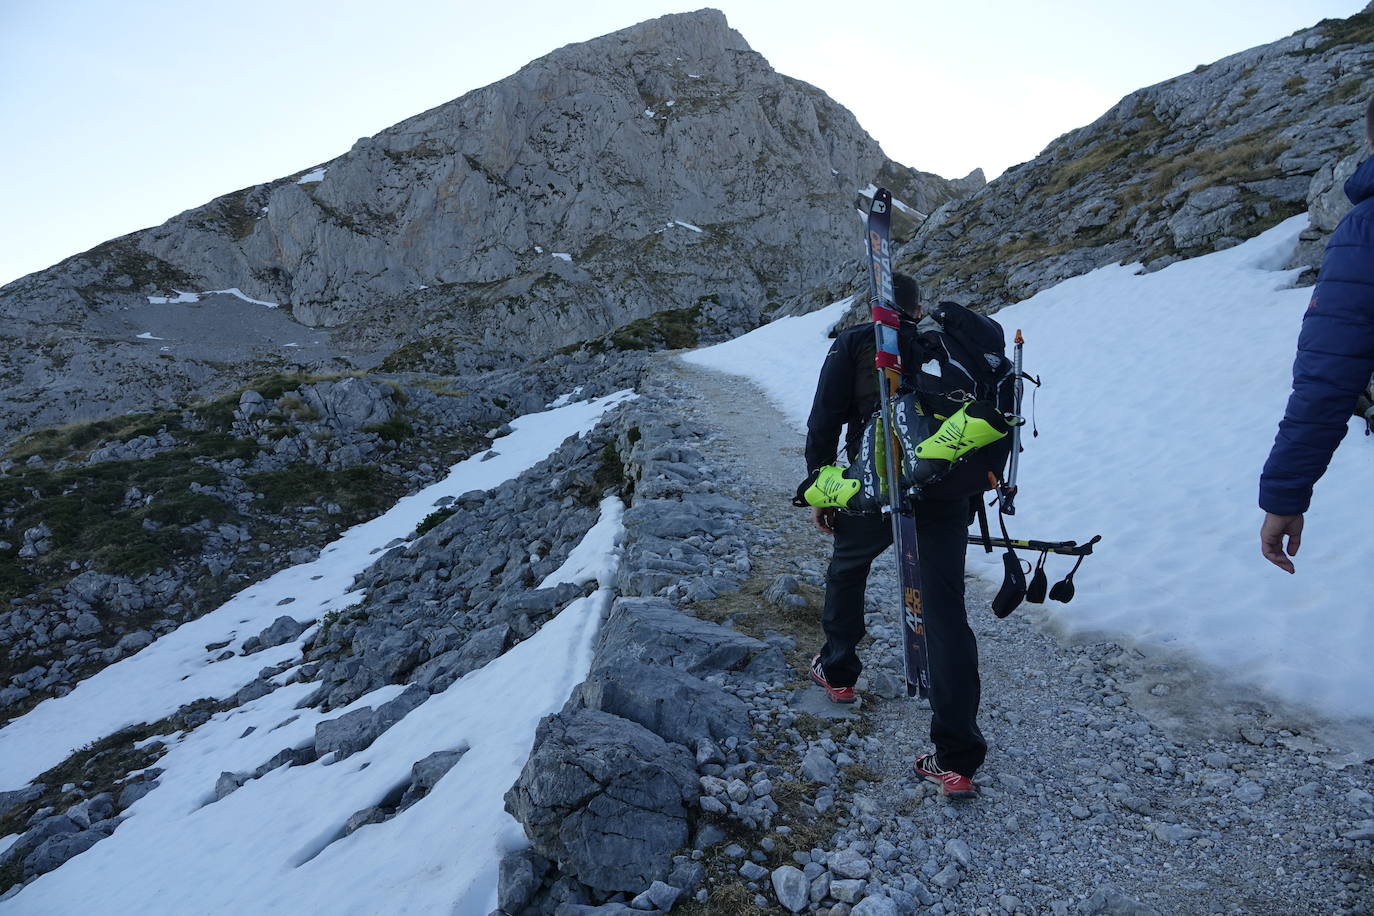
(906, 295)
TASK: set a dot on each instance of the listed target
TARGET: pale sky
(121, 113)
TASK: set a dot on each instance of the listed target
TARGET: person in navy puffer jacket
(1333, 367)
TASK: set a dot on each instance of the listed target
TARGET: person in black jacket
(847, 396)
(1333, 366)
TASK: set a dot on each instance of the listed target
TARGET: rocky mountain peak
(665, 166)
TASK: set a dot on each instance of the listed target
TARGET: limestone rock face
(664, 166)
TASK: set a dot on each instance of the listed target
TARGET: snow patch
(564, 398)
(597, 555)
(679, 222)
(148, 335)
(909, 210)
(235, 291)
(1131, 377)
(311, 177)
(562, 256)
(180, 297)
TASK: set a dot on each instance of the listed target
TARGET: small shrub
(433, 520)
(394, 430)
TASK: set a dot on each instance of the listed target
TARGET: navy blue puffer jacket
(1335, 357)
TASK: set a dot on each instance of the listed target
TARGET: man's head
(1369, 122)
(906, 295)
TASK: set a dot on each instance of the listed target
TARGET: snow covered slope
(278, 844)
(1162, 394)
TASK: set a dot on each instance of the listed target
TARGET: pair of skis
(888, 359)
(889, 366)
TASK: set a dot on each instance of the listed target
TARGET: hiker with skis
(1334, 363)
(846, 397)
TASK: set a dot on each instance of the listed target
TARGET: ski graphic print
(889, 367)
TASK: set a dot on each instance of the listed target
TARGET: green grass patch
(84, 509)
(671, 329)
(1117, 149)
(57, 442)
(358, 489)
(1349, 89)
(397, 429)
(122, 258)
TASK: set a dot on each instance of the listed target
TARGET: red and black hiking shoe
(952, 784)
(836, 694)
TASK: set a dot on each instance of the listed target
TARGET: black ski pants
(941, 541)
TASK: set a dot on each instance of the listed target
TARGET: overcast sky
(122, 113)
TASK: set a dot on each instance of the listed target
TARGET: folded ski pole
(1064, 548)
(1007, 491)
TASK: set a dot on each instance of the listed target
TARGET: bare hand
(824, 519)
(1272, 533)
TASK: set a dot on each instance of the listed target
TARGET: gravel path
(1117, 782)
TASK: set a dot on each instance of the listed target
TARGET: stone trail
(1107, 789)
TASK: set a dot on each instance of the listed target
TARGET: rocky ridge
(1195, 164)
(599, 185)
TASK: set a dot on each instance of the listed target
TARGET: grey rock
(659, 896)
(253, 690)
(958, 850)
(519, 876)
(652, 630)
(133, 791)
(346, 734)
(791, 887)
(361, 818)
(135, 641)
(281, 631)
(688, 876)
(56, 850)
(669, 702)
(45, 828)
(228, 783)
(1108, 901)
(13, 799)
(849, 864)
(847, 890)
(785, 592)
(946, 877)
(426, 773)
(752, 871)
(875, 905)
(604, 797)
(440, 672)
(818, 767)
(400, 706)
(92, 810)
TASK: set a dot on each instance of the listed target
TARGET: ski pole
(1064, 548)
(1007, 492)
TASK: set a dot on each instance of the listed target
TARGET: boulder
(652, 630)
(605, 798)
(669, 702)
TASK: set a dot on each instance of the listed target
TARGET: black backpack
(969, 351)
(963, 358)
